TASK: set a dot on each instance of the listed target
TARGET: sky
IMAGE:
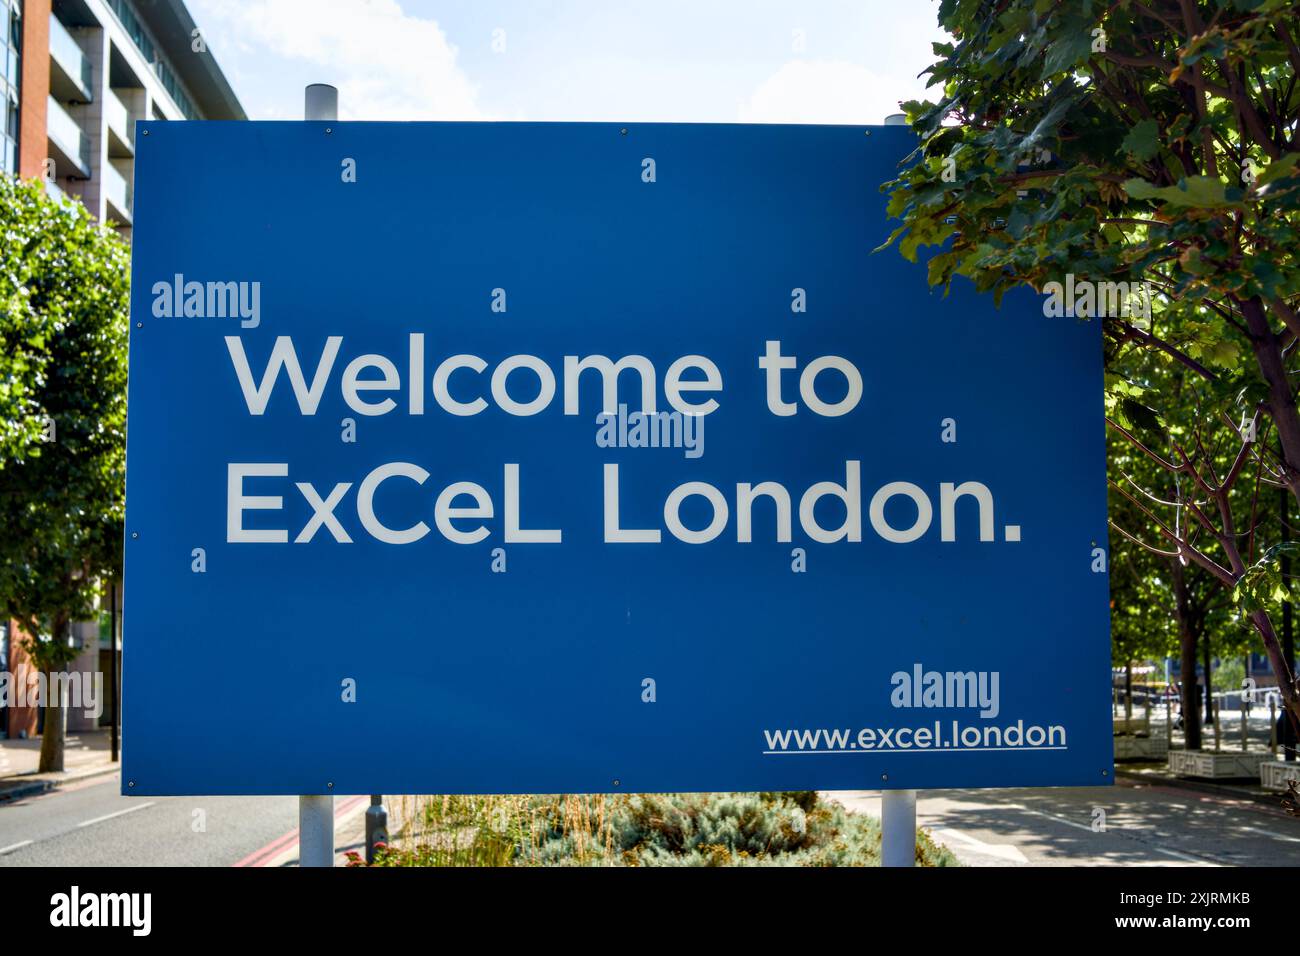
(721, 61)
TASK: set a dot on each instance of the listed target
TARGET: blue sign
(575, 458)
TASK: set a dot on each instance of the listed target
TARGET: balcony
(121, 131)
(69, 146)
(70, 73)
(117, 192)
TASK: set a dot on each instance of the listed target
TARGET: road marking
(288, 843)
(1184, 856)
(1052, 816)
(13, 846)
(1199, 861)
(1269, 833)
(257, 857)
(1003, 851)
(109, 816)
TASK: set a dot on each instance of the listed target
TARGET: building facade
(75, 77)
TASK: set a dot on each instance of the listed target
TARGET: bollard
(1272, 726)
(1169, 720)
(376, 825)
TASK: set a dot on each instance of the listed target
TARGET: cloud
(825, 91)
(387, 64)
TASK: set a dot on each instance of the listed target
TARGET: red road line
(276, 847)
(270, 849)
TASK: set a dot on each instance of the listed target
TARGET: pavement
(85, 755)
(1129, 824)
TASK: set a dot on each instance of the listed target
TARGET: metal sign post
(316, 813)
(315, 830)
(898, 828)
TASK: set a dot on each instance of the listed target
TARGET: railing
(119, 118)
(136, 31)
(68, 135)
(117, 189)
(65, 50)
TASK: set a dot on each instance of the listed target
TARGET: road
(1145, 825)
(91, 824)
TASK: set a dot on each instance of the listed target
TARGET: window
(10, 48)
(135, 30)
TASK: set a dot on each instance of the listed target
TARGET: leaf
(1197, 192)
(1142, 417)
(1142, 141)
(1278, 169)
(1046, 128)
(1068, 50)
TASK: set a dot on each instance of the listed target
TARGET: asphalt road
(91, 824)
(1145, 825)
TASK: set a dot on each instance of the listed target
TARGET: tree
(1139, 584)
(1137, 162)
(61, 496)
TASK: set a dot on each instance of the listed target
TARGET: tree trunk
(1281, 399)
(1187, 660)
(1289, 736)
(1286, 683)
(52, 736)
(56, 714)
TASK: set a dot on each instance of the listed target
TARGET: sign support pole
(898, 828)
(316, 812)
(315, 830)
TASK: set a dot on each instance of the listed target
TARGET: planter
(1128, 747)
(1216, 765)
(1274, 774)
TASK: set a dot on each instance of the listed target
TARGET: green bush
(703, 829)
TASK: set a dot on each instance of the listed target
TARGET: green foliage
(701, 829)
(1150, 143)
(1229, 675)
(1155, 127)
(1262, 585)
(63, 326)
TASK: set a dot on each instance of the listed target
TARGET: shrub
(692, 829)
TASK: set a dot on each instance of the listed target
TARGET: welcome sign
(580, 458)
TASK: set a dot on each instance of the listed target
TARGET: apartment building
(75, 76)
(80, 73)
